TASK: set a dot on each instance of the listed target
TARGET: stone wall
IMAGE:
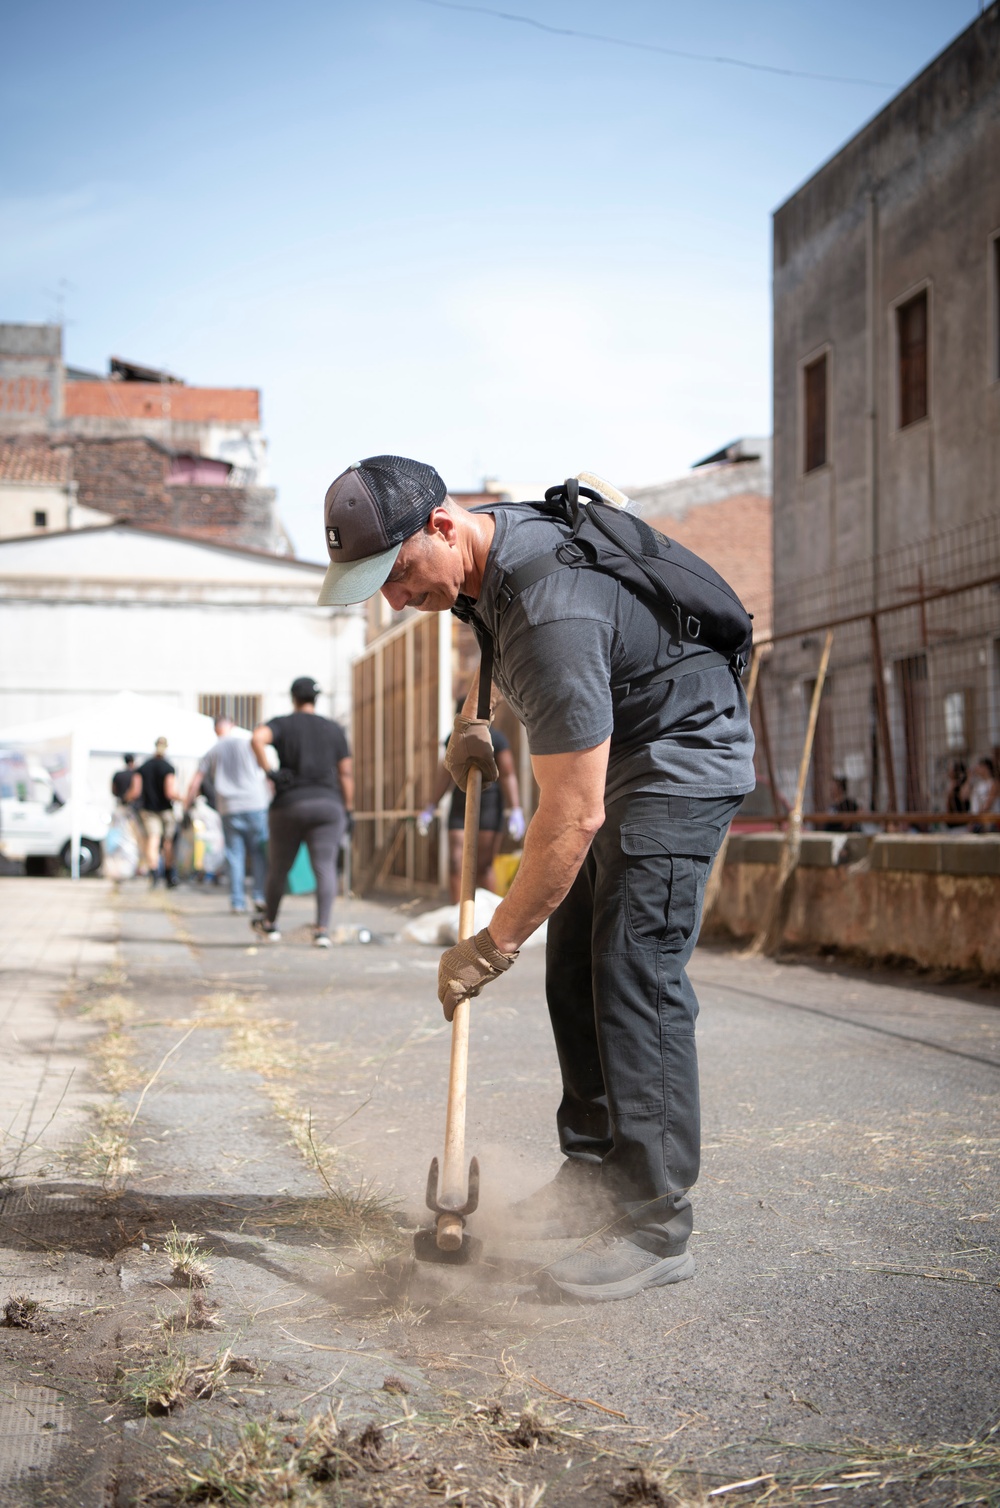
(930, 900)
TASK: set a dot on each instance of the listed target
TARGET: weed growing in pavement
(188, 1267)
(264, 1467)
(263, 1045)
(172, 1380)
(199, 1314)
(22, 1313)
(107, 1152)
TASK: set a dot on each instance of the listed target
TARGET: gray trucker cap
(370, 510)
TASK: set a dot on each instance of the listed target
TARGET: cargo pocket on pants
(663, 873)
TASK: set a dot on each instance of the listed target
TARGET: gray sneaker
(573, 1203)
(610, 1267)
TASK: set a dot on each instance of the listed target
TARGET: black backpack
(697, 607)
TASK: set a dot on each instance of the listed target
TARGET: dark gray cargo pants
(623, 1010)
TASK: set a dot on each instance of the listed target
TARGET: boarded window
(912, 338)
(41, 519)
(815, 413)
(242, 707)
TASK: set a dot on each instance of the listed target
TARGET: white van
(35, 822)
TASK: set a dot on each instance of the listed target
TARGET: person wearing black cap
(640, 770)
(313, 800)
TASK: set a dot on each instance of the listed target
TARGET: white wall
(19, 502)
(64, 656)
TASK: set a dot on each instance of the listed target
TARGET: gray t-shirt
(240, 783)
(568, 650)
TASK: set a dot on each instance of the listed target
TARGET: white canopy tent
(126, 721)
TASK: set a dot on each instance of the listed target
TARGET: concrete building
(887, 432)
(86, 614)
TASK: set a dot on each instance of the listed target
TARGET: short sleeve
(277, 725)
(560, 673)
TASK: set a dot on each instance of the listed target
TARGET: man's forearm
(554, 848)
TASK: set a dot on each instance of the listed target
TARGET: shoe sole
(669, 1270)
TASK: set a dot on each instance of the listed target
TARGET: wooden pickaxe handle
(449, 1227)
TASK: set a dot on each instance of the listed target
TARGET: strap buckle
(569, 553)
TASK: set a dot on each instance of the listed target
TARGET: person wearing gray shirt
(639, 775)
(241, 797)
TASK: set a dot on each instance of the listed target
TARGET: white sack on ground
(439, 929)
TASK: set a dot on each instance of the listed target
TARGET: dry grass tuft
(531, 1432)
(642, 1486)
(171, 1381)
(199, 1315)
(264, 1468)
(969, 1470)
(22, 1313)
(107, 1152)
(394, 1384)
(188, 1269)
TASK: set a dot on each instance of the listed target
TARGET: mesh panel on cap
(404, 490)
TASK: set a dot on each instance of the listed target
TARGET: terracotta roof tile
(34, 460)
(153, 400)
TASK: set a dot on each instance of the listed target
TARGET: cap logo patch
(333, 538)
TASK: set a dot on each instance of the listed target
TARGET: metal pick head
(426, 1249)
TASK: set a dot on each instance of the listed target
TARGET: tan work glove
(470, 747)
(466, 967)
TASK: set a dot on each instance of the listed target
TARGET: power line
(669, 52)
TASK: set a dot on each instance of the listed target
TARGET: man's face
(429, 569)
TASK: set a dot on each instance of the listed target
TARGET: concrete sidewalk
(55, 938)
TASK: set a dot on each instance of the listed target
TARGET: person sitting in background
(155, 784)
(958, 774)
(982, 792)
(500, 812)
(842, 803)
(313, 803)
(241, 796)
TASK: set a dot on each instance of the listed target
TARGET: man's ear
(441, 523)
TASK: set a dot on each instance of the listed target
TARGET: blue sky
(426, 230)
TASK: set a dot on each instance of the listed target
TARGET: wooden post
(882, 710)
(769, 937)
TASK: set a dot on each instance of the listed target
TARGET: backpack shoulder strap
(513, 583)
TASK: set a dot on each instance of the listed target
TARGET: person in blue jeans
(241, 798)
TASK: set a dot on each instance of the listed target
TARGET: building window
(912, 342)
(41, 519)
(815, 410)
(243, 708)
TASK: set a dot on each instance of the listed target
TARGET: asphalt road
(846, 1217)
